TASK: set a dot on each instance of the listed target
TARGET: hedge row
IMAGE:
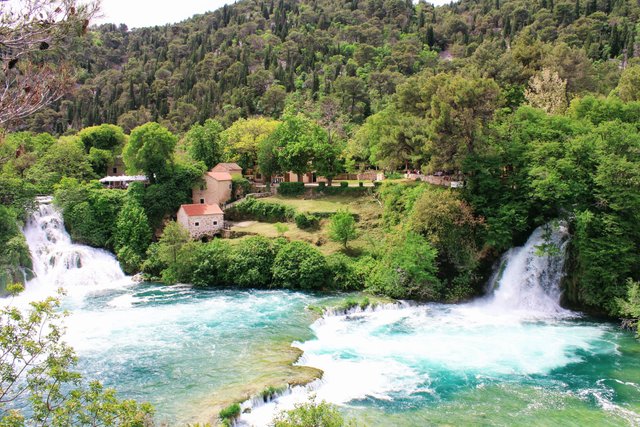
(255, 209)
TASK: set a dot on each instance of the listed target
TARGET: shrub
(230, 413)
(212, 264)
(311, 414)
(239, 187)
(251, 261)
(306, 221)
(322, 184)
(299, 265)
(259, 210)
(360, 184)
(291, 188)
(345, 273)
(344, 184)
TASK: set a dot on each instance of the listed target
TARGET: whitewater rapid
(415, 357)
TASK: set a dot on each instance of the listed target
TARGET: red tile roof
(201, 209)
(220, 176)
(226, 167)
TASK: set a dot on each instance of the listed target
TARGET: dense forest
(339, 61)
(535, 104)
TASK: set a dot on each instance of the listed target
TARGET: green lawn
(325, 203)
(367, 207)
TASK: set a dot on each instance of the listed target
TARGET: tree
(342, 227)
(548, 92)
(33, 75)
(204, 143)
(251, 262)
(300, 266)
(268, 161)
(243, 138)
(326, 158)
(630, 306)
(629, 86)
(132, 235)
(36, 362)
(296, 138)
(150, 149)
(103, 137)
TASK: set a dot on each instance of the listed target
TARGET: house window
(115, 170)
(202, 201)
(202, 188)
(197, 224)
(215, 222)
(230, 185)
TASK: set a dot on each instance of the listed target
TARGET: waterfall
(529, 276)
(60, 263)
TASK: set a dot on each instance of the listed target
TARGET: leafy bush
(306, 221)
(344, 184)
(212, 264)
(345, 273)
(230, 413)
(310, 415)
(251, 261)
(239, 187)
(342, 227)
(298, 265)
(407, 270)
(259, 210)
(291, 188)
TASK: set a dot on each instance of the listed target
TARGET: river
(514, 357)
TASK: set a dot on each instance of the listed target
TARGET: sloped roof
(220, 176)
(201, 209)
(226, 167)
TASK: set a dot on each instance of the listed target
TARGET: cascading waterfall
(530, 276)
(60, 263)
(428, 355)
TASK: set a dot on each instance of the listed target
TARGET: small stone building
(201, 220)
(214, 190)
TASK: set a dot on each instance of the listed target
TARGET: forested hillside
(340, 61)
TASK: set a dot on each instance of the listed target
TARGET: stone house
(231, 168)
(201, 220)
(214, 190)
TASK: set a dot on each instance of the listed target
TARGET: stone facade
(201, 220)
(215, 190)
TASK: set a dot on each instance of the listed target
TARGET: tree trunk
(329, 181)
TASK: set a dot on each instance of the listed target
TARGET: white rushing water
(60, 263)
(428, 352)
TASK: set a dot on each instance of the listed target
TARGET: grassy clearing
(367, 208)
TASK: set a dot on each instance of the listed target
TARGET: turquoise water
(513, 358)
(184, 349)
(459, 365)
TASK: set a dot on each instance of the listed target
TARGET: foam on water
(60, 263)
(414, 357)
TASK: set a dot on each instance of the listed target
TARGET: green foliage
(289, 189)
(243, 139)
(307, 221)
(342, 227)
(406, 270)
(104, 137)
(14, 252)
(630, 307)
(259, 210)
(230, 413)
(240, 186)
(57, 394)
(300, 266)
(171, 252)
(132, 235)
(204, 143)
(251, 262)
(150, 150)
(311, 414)
(89, 211)
(281, 228)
